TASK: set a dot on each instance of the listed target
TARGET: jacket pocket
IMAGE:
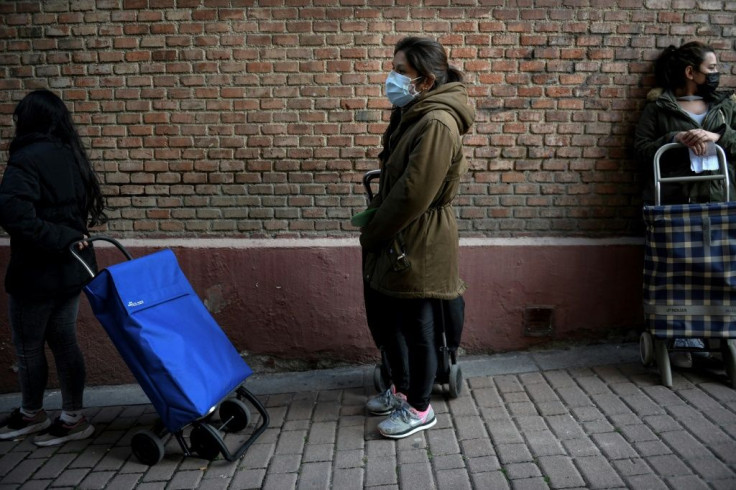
(397, 255)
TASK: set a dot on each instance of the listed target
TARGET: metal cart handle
(659, 180)
(98, 238)
(370, 176)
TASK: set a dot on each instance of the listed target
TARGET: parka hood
(450, 97)
(654, 94)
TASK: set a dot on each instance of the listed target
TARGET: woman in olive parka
(686, 108)
(410, 246)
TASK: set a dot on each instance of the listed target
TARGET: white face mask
(399, 89)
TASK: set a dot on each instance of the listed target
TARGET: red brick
(297, 84)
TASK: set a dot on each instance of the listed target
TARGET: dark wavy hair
(427, 57)
(42, 114)
(669, 69)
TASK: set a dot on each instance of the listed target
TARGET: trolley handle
(369, 177)
(98, 238)
(659, 180)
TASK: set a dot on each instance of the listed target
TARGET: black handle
(367, 178)
(98, 238)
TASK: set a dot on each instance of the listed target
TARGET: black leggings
(410, 347)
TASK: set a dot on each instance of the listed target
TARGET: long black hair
(42, 114)
(427, 57)
(669, 69)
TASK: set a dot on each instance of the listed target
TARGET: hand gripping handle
(73, 249)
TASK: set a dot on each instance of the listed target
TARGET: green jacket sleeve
(728, 134)
(647, 139)
(417, 187)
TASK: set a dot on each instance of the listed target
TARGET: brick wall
(258, 118)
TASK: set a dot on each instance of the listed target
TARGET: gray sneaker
(16, 424)
(385, 403)
(60, 432)
(683, 360)
(405, 421)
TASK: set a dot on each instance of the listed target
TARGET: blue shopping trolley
(181, 358)
(689, 280)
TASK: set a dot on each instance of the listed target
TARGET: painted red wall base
(302, 299)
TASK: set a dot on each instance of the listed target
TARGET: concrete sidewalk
(584, 417)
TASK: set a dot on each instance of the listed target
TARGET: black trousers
(396, 324)
(405, 330)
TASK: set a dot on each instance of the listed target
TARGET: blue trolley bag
(178, 354)
(181, 358)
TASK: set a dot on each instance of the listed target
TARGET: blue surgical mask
(399, 89)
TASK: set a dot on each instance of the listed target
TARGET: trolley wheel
(456, 381)
(234, 414)
(147, 447)
(381, 379)
(728, 347)
(646, 349)
(663, 362)
(204, 443)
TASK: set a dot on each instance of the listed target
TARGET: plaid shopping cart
(689, 286)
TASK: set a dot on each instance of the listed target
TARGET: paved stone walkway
(588, 417)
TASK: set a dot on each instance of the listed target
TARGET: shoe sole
(71, 437)
(414, 430)
(31, 429)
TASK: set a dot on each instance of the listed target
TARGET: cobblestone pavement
(587, 417)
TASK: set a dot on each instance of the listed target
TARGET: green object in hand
(363, 218)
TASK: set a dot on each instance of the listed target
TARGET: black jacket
(42, 208)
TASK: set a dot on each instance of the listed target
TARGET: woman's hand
(697, 140)
(84, 243)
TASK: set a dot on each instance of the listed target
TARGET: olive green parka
(411, 244)
(660, 121)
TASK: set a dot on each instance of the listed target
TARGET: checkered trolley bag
(689, 280)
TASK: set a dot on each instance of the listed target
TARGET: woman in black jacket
(49, 194)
